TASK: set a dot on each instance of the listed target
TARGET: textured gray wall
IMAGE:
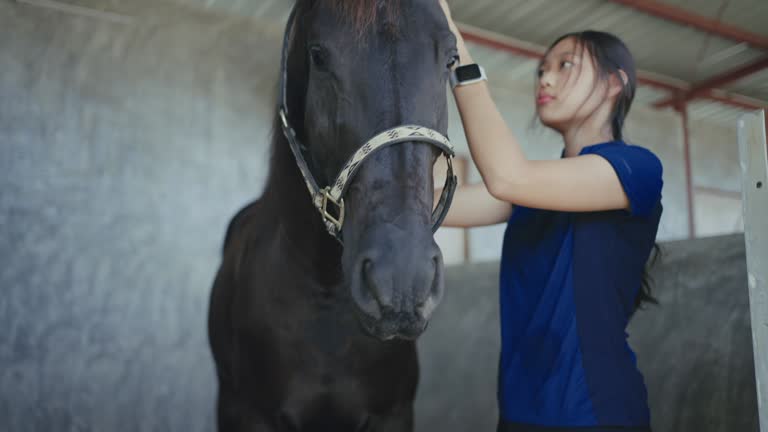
(459, 354)
(124, 150)
(695, 350)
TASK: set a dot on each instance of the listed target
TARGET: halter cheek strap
(333, 195)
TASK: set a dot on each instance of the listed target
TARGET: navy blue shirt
(568, 284)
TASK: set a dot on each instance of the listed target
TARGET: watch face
(468, 72)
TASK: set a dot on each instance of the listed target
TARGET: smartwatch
(467, 74)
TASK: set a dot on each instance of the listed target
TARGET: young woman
(580, 230)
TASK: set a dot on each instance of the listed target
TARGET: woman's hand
(465, 58)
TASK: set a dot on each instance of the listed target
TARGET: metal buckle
(324, 209)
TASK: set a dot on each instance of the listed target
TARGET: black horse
(307, 334)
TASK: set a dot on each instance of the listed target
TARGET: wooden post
(753, 151)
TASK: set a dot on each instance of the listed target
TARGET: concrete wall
(717, 180)
(124, 151)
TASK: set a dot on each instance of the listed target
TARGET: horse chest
(319, 350)
(304, 349)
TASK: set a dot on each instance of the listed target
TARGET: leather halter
(334, 193)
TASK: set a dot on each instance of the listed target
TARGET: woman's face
(569, 90)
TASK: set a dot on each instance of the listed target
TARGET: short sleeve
(640, 173)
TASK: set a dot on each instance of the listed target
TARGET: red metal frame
(702, 89)
(737, 101)
(508, 46)
(709, 25)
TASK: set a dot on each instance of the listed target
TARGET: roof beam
(700, 22)
(704, 88)
(735, 100)
(499, 42)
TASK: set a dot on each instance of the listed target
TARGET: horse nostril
(374, 284)
(398, 289)
(431, 297)
(363, 290)
(437, 274)
(434, 283)
(369, 294)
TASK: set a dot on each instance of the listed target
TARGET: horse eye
(318, 56)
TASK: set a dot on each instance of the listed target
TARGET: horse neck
(299, 221)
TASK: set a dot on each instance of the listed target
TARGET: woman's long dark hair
(611, 57)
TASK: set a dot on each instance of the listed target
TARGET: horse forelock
(364, 13)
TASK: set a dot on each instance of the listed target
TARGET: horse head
(359, 68)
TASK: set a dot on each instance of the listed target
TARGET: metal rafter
(700, 22)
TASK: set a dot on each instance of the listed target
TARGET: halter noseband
(334, 194)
